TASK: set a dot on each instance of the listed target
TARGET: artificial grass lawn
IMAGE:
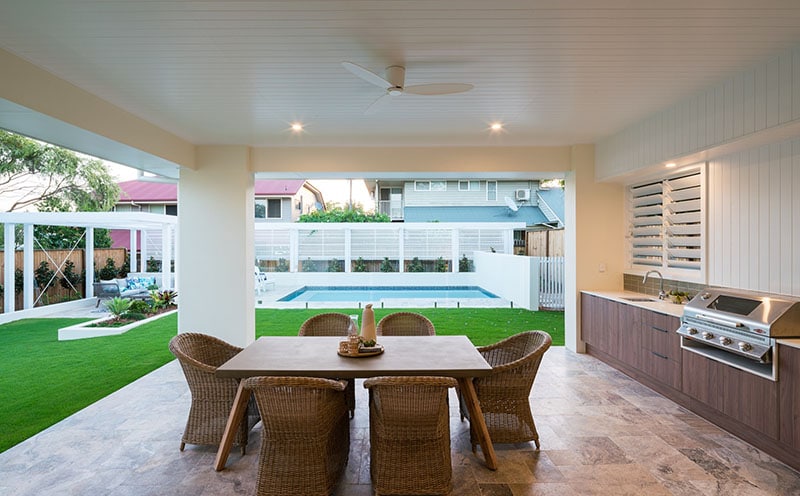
(45, 380)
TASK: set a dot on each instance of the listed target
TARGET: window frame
(490, 191)
(469, 183)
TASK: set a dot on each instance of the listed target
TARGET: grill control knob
(724, 340)
(707, 335)
(691, 331)
(745, 346)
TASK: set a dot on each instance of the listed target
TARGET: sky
(333, 190)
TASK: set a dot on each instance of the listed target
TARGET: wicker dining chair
(409, 434)
(212, 397)
(405, 324)
(504, 395)
(306, 435)
(332, 324)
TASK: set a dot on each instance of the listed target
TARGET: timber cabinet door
(789, 395)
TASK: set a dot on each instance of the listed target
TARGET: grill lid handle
(717, 320)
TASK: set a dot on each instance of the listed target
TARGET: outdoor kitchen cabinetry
(661, 348)
(789, 391)
(743, 396)
(599, 324)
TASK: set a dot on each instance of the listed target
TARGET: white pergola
(136, 223)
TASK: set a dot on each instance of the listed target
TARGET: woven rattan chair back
(504, 395)
(332, 324)
(326, 324)
(212, 396)
(405, 324)
(409, 435)
(306, 435)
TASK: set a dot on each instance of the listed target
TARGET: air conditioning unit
(523, 194)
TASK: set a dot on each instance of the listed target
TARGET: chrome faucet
(661, 293)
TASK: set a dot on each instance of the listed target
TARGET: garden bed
(94, 328)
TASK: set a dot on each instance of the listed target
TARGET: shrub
(465, 264)
(387, 265)
(441, 265)
(140, 306)
(43, 274)
(134, 316)
(309, 265)
(283, 265)
(109, 271)
(416, 265)
(70, 279)
(19, 280)
(360, 265)
(153, 265)
(335, 265)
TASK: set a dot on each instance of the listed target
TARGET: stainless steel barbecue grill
(739, 328)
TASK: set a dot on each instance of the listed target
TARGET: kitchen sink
(640, 299)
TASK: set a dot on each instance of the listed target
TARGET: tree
(51, 178)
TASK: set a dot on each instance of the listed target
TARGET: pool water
(378, 293)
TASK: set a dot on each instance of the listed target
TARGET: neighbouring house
(470, 200)
(275, 201)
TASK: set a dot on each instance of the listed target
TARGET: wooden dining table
(307, 356)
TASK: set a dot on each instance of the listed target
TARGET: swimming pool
(378, 293)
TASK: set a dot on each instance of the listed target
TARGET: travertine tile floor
(601, 434)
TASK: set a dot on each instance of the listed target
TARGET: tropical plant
(163, 299)
(387, 265)
(140, 306)
(109, 271)
(416, 265)
(359, 265)
(335, 265)
(118, 306)
(283, 265)
(464, 264)
(441, 265)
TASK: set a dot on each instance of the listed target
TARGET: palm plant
(118, 306)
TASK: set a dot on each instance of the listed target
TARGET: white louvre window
(320, 244)
(666, 225)
(374, 244)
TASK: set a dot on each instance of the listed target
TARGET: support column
(166, 256)
(143, 254)
(9, 251)
(27, 266)
(216, 249)
(88, 262)
(594, 238)
(132, 253)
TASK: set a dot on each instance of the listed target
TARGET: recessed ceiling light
(671, 164)
(496, 126)
(297, 127)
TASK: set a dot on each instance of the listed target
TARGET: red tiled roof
(149, 191)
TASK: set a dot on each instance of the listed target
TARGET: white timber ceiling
(554, 72)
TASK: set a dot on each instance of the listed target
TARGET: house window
(268, 209)
(469, 185)
(666, 225)
(430, 185)
(171, 209)
(491, 190)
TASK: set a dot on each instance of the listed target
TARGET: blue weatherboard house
(470, 201)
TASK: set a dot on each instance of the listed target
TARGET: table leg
(477, 420)
(238, 411)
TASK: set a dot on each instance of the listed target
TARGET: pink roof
(149, 191)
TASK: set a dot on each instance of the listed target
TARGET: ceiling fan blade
(437, 88)
(378, 104)
(367, 75)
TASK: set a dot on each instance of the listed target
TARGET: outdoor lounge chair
(504, 395)
(405, 324)
(306, 435)
(332, 324)
(110, 289)
(409, 435)
(212, 396)
(262, 281)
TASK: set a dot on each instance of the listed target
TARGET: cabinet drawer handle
(659, 329)
(659, 355)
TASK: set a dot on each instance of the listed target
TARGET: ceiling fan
(394, 84)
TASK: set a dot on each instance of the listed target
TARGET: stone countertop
(793, 342)
(654, 304)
